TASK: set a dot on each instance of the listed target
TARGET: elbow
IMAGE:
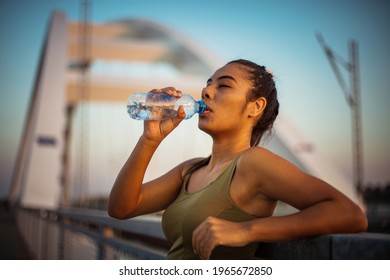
(362, 222)
(116, 212)
(357, 220)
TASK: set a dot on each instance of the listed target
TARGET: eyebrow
(223, 77)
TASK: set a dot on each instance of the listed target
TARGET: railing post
(61, 238)
(104, 232)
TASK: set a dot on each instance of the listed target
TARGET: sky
(278, 34)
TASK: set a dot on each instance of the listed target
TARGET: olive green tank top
(189, 210)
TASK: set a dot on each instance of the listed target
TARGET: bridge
(76, 137)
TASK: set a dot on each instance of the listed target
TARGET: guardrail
(87, 235)
(83, 234)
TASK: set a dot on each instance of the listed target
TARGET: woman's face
(225, 96)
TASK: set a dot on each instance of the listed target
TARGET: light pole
(352, 96)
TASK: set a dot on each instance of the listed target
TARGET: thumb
(168, 125)
(180, 116)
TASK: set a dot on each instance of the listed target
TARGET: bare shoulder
(278, 179)
(261, 161)
(257, 151)
(257, 158)
(269, 172)
(255, 164)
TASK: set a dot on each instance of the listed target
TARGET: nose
(205, 93)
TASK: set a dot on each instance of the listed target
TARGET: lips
(208, 109)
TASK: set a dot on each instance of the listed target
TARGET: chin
(202, 125)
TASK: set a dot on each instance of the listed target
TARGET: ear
(256, 108)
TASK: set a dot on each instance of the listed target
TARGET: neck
(223, 152)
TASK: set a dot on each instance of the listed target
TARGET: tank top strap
(222, 181)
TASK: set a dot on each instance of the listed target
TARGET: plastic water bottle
(152, 106)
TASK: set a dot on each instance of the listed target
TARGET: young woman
(219, 207)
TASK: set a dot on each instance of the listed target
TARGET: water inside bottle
(142, 112)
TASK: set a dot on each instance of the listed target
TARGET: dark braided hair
(262, 86)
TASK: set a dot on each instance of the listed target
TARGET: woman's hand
(214, 232)
(157, 130)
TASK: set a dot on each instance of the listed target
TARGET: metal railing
(89, 235)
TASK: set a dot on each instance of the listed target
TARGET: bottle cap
(202, 107)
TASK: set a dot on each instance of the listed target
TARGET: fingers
(175, 93)
(179, 117)
(214, 232)
(159, 129)
(204, 239)
(172, 91)
(181, 114)
(168, 125)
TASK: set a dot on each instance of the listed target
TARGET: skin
(261, 178)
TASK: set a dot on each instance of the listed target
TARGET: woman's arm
(129, 197)
(323, 209)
